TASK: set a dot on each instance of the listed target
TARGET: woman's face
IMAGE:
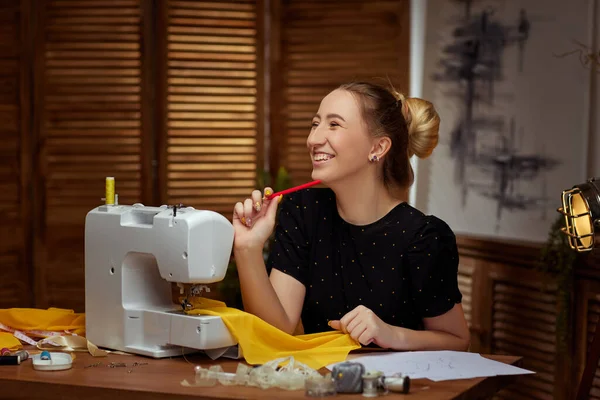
(339, 143)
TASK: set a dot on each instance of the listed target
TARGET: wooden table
(161, 379)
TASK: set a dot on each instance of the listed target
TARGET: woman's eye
(314, 124)
(334, 124)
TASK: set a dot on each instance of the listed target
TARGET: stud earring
(374, 159)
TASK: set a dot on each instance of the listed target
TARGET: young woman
(355, 256)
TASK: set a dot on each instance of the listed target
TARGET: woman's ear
(380, 147)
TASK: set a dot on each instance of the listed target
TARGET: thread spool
(22, 354)
(10, 360)
(348, 377)
(397, 383)
(45, 355)
(371, 383)
(110, 191)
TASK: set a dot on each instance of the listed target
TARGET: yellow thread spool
(110, 191)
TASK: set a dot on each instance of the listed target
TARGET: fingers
(357, 331)
(246, 212)
(272, 206)
(335, 324)
(346, 319)
(238, 213)
(353, 324)
(365, 338)
(256, 200)
(243, 212)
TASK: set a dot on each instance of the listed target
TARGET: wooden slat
(465, 284)
(523, 323)
(14, 168)
(90, 128)
(13, 287)
(322, 45)
(212, 125)
(592, 318)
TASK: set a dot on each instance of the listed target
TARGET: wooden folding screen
(89, 109)
(214, 103)
(166, 96)
(14, 165)
(316, 46)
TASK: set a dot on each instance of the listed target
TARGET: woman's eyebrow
(331, 116)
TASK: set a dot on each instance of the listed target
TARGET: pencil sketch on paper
(436, 365)
(485, 145)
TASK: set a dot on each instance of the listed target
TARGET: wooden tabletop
(161, 379)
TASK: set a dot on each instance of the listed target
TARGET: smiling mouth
(321, 158)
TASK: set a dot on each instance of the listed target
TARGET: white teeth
(322, 157)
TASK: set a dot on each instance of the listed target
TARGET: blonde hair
(423, 124)
(412, 124)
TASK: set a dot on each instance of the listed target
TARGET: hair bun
(399, 96)
(423, 124)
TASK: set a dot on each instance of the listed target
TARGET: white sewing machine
(132, 254)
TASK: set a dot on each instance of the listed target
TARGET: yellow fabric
(261, 342)
(52, 319)
(31, 322)
(7, 340)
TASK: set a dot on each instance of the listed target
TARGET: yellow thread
(110, 191)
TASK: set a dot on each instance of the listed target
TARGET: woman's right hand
(254, 220)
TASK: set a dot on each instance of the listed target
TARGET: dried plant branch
(587, 56)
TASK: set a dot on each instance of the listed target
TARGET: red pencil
(294, 189)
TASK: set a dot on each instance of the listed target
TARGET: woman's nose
(315, 137)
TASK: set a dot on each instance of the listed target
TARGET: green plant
(558, 258)
(229, 288)
(282, 180)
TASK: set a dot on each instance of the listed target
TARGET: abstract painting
(513, 109)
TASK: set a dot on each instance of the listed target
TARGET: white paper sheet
(437, 365)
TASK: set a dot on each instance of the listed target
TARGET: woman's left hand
(365, 327)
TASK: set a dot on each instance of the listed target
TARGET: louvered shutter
(593, 314)
(465, 285)
(524, 323)
(213, 97)
(90, 129)
(14, 265)
(324, 44)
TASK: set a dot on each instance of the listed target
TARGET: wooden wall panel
(465, 284)
(316, 47)
(166, 96)
(90, 128)
(214, 114)
(587, 313)
(524, 323)
(593, 314)
(514, 310)
(14, 169)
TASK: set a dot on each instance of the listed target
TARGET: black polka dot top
(403, 267)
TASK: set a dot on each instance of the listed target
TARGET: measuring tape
(25, 336)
